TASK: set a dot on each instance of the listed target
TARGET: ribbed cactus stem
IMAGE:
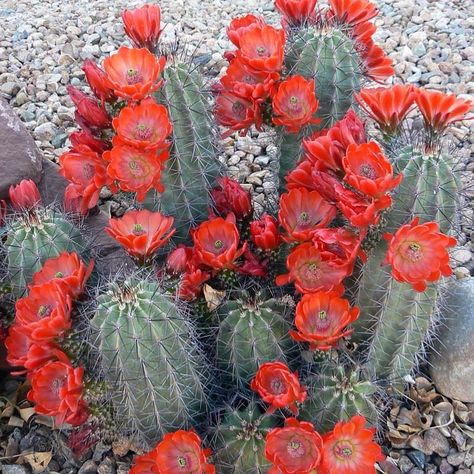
(394, 319)
(149, 357)
(240, 441)
(250, 335)
(33, 238)
(193, 166)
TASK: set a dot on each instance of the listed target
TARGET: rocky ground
(43, 44)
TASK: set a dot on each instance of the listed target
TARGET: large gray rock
(19, 156)
(452, 355)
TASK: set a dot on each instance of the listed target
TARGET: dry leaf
(15, 421)
(213, 297)
(45, 420)
(123, 445)
(39, 461)
(26, 413)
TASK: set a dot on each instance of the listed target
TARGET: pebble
(461, 256)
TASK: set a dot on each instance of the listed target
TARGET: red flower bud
(178, 259)
(142, 26)
(264, 233)
(229, 197)
(97, 81)
(89, 113)
(24, 196)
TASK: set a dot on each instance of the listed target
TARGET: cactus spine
(395, 319)
(32, 239)
(193, 165)
(336, 393)
(240, 441)
(149, 358)
(250, 335)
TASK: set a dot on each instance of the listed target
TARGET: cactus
(240, 441)
(330, 57)
(251, 334)
(193, 165)
(395, 319)
(149, 358)
(35, 237)
(337, 393)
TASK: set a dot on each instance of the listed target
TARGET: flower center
(58, 275)
(367, 171)
(88, 170)
(278, 386)
(218, 244)
(322, 315)
(143, 132)
(414, 252)
(44, 311)
(137, 167)
(313, 268)
(238, 109)
(182, 462)
(133, 76)
(343, 450)
(295, 449)
(262, 51)
(56, 385)
(138, 229)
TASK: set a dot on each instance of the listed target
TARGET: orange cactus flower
(216, 244)
(24, 196)
(322, 318)
(134, 73)
(387, 106)
(294, 449)
(144, 126)
(57, 390)
(349, 449)
(264, 233)
(230, 196)
(296, 12)
(191, 284)
(262, 48)
(312, 270)
(236, 113)
(240, 25)
(143, 26)
(41, 353)
(368, 170)
(440, 110)
(295, 104)
(178, 260)
(353, 12)
(136, 170)
(84, 138)
(302, 175)
(141, 232)
(278, 386)
(181, 453)
(17, 344)
(418, 254)
(302, 212)
(377, 64)
(145, 464)
(85, 169)
(97, 81)
(45, 312)
(66, 269)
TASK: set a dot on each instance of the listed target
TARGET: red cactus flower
(134, 73)
(216, 243)
(360, 211)
(191, 284)
(418, 254)
(17, 344)
(362, 33)
(302, 212)
(142, 232)
(387, 106)
(294, 449)
(24, 196)
(252, 265)
(86, 170)
(67, 269)
(378, 65)
(324, 150)
(145, 464)
(178, 260)
(143, 26)
(264, 233)
(83, 438)
(82, 139)
(349, 448)
(97, 81)
(312, 270)
(295, 104)
(240, 25)
(278, 386)
(262, 48)
(45, 313)
(440, 110)
(144, 126)
(352, 12)
(235, 112)
(136, 170)
(296, 12)
(248, 83)
(88, 111)
(322, 318)
(229, 196)
(41, 353)
(301, 176)
(57, 390)
(368, 170)
(181, 453)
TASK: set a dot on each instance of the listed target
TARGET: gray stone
(19, 156)
(10, 88)
(451, 360)
(14, 469)
(462, 256)
(89, 467)
(45, 131)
